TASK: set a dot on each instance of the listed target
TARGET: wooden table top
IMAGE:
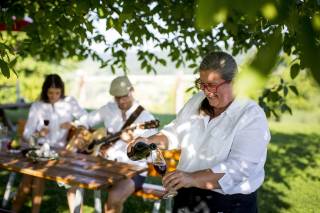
(81, 170)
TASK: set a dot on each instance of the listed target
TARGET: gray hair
(220, 62)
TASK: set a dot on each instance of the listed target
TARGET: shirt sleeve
(77, 110)
(32, 122)
(93, 118)
(248, 150)
(171, 131)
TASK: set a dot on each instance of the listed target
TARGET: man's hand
(44, 132)
(127, 135)
(66, 125)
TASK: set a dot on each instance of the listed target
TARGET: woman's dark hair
(51, 81)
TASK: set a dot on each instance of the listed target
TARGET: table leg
(156, 206)
(78, 200)
(7, 192)
(97, 201)
(168, 205)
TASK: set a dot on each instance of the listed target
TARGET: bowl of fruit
(14, 146)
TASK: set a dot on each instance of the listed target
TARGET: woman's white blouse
(234, 143)
(65, 110)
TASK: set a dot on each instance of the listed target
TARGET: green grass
(292, 172)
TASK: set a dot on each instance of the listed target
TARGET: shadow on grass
(289, 155)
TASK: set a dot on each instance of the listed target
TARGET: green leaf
(113, 70)
(193, 66)
(310, 49)
(294, 70)
(13, 62)
(178, 64)
(4, 68)
(102, 13)
(275, 114)
(273, 96)
(163, 62)
(205, 13)
(294, 89)
(117, 26)
(267, 55)
(144, 64)
(110, 23)
(285, 107)
(285, 91)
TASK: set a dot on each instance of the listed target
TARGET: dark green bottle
(141, 150)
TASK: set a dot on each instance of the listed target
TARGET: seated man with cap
(115, 115)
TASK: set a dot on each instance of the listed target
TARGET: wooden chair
(154, 192)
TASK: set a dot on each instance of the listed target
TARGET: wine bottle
(141, 150)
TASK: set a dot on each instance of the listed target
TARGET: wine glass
(160, 166)
(46, 122)
(45, 138)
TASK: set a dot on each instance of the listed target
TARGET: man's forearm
(160, 140)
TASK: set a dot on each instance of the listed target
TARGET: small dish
(14, 151)
(37, 155)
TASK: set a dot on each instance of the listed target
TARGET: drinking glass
(46, 122)
(160, 166)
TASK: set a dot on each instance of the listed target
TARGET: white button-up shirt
(234, 143)
(64, 110)
(110, 115)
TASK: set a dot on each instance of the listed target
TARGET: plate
(36, 155)
(43, 159)
(14, 151)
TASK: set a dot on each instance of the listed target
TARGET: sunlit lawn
(293, 169)
(292, 173)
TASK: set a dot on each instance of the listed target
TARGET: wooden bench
(154, 192)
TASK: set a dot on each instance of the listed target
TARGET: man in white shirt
(113, 115)
(223, 143)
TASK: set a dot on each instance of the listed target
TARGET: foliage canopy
(186, 30)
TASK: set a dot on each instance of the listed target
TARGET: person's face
(54, 94)
(218, 91)
(124, 102)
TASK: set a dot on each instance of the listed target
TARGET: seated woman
(49, 119)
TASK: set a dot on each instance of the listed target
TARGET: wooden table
(80, 170)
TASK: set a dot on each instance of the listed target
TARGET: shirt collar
(132, 109)
(233, 108)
